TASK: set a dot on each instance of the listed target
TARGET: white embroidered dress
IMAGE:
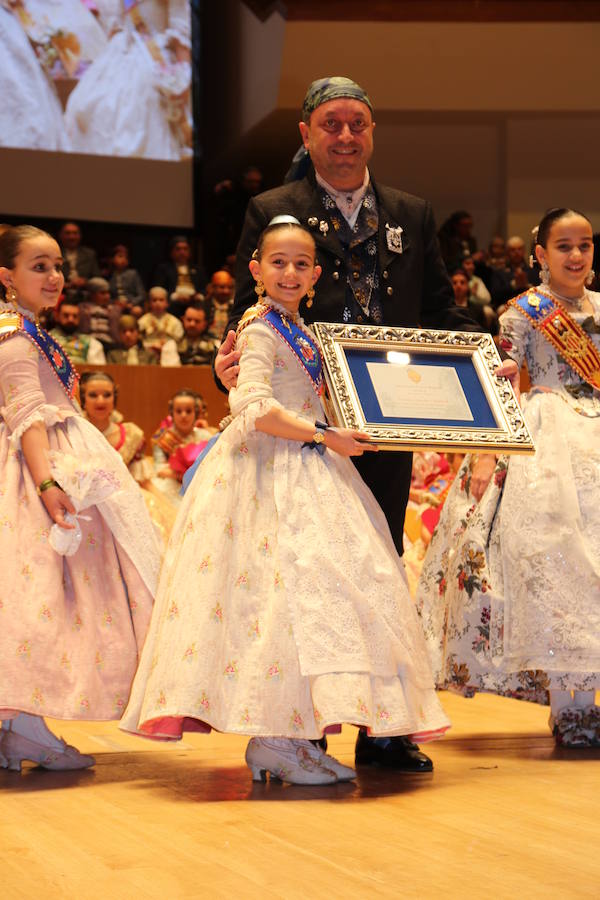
(30, 111)
(510, 588)
(122, 106)
(282, 607)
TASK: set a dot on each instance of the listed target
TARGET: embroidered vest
(363, 302)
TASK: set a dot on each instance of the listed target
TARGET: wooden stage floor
(505, 815)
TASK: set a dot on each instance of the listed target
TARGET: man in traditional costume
(381, 264)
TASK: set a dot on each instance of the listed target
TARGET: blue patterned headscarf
(324, 89)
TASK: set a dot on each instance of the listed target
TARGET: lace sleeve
(253, 396)
(23, 400)
(514, 334)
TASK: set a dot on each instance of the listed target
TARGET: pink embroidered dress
(71, 627)
(282, 607)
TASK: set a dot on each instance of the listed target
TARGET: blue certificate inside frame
(464, 366)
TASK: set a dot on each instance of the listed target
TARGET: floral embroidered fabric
(70, 627)
(509, 589)
(282, 607)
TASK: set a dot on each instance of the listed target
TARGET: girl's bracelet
(46, 484)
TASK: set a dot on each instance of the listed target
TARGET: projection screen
(96, 110)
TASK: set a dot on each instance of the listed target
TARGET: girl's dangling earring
(259, 288)
(545, 273)
(309, 297)
(590, 277)
(11, 295)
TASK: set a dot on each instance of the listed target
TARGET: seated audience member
(79, 347)
(181, 279)
(220, 290)
(229, 266)
(197, 347)
(131, 351)
(158, 326)
(477, 288)
(456, 239)
(230, 201)
(99, 317)
(514, 278)
(80, 263)
(178, 440)
(126, 286)
(482, 313)
(99, 393)
(495, 258)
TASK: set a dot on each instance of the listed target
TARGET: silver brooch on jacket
(393, 237)
(323, 227)
(312, 222)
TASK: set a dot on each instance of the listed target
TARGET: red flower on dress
(500, 477)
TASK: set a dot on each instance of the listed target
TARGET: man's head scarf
(324, 89)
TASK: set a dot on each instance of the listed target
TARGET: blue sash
(535, 304)
(300, 343)
(53, 353)
(303, 347)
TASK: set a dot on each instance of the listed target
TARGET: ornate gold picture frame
(414, 389)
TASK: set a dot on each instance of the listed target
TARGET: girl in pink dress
(71, 626)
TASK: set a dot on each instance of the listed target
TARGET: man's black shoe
(392, 752)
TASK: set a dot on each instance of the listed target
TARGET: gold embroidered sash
(563, 332)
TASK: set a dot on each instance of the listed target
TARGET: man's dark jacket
(415, 292)
(414, 286)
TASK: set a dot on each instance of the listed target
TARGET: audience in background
(179, 440)
(181, 279)
(126, 286)
(482, 312)
(130, 350)
(220, 291)
(197, 347)
(79, 263)
(99, 395)
(496, 256)
(476, 284)
(514, 278)
(99, 317)
(230, 199)
(159, 327)
(456, 239)
(79, 347)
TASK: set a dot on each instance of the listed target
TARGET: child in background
(179, 440)
(126, 286)
(131, 351)
(283, 610)
(98, 315)
(159, 326)
(99, 395)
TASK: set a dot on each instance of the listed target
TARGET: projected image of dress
(120, 68)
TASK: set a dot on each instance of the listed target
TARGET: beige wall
(501, 119)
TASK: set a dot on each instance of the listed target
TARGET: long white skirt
(510, 588)
(282, 607)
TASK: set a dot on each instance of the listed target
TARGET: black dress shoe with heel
(391, 753)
